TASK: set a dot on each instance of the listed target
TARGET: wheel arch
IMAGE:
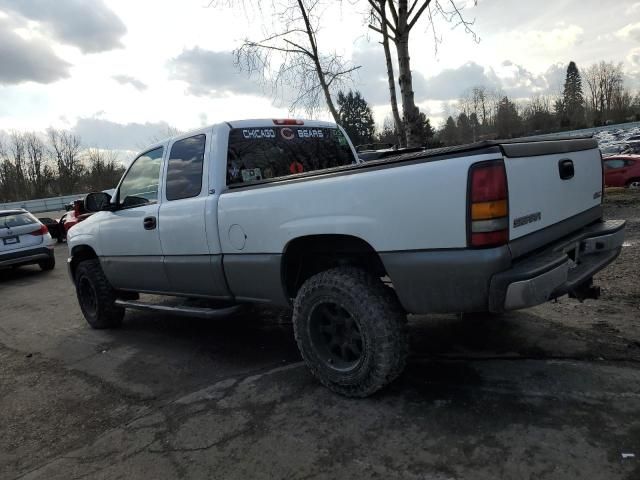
(307, 255)
(80, 253)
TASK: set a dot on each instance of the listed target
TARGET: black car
(55, 228)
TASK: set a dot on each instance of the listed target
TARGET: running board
(197, 312)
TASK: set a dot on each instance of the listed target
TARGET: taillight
(77, 208)
(43, 230)
(488, 205)
(287, 121)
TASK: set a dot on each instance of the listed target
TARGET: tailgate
(550, 182)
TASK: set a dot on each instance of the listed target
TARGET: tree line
(483, 113)
(33, 165)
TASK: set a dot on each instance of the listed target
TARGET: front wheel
(96, 296)
(634, 183)
(351, 331)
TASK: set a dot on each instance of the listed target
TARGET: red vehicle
(75, 215)
(622, 171)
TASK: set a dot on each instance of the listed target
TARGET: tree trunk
(399, 130)
(316, 62)
(410, 111)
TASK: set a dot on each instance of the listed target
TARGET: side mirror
(97, 201)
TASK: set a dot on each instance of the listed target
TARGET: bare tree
(65, 150)
(605, 81)
(289, 58)
(39, 172)
(103, 170)
(381, 21)
(13, 155)
(400, 17)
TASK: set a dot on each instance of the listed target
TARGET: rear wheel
(633, 183)
(96, 296)
(48, 264)
(351, 331)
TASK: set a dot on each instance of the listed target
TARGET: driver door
(129, 240)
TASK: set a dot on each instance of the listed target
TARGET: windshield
(257, 154)
(16, 219)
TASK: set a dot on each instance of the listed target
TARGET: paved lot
(548, 393)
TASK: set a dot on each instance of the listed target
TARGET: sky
(119, 73)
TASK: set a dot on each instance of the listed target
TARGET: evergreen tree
(475, 126)
(573, 98)
(465, 130)
(424, 131)
(356, 117)
(508, 122)
(449, 134)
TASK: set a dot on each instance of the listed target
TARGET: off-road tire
(48, 264)
(381, 322)
(96, 296)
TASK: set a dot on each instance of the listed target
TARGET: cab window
(140, 184)
(184, 171)
(257, 154)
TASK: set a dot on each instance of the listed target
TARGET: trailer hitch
(585, 290)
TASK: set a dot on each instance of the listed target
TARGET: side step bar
(198, 312)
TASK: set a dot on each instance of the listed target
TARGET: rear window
(16, 219)
(257, 154)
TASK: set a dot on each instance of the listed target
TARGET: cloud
(90, 26)
(97, 132)
(633, 8)
(633, 58)
(630, 31)
(23, 60)
(452, 82)
(209, 73)
(556, 39)
(128, 80)
(371, 78)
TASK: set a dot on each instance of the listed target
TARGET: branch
(449, 16)
(382, 16)
(300, 48)
(415, 2)
(394, 13)
(376, 29)
(433, 28)
(255, 45)
(418, 14)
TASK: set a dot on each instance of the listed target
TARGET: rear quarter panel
(394, 208)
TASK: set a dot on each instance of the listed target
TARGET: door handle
(565, 168)
(149, 223)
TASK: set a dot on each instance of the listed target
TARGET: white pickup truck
(282, 212)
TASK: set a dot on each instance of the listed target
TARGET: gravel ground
(551, 392)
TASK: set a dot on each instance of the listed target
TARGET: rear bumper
(558, 270)
(26, 257)
(463, 280)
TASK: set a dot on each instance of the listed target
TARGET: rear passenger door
(193, 265)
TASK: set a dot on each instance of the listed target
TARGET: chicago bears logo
(287, 133)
